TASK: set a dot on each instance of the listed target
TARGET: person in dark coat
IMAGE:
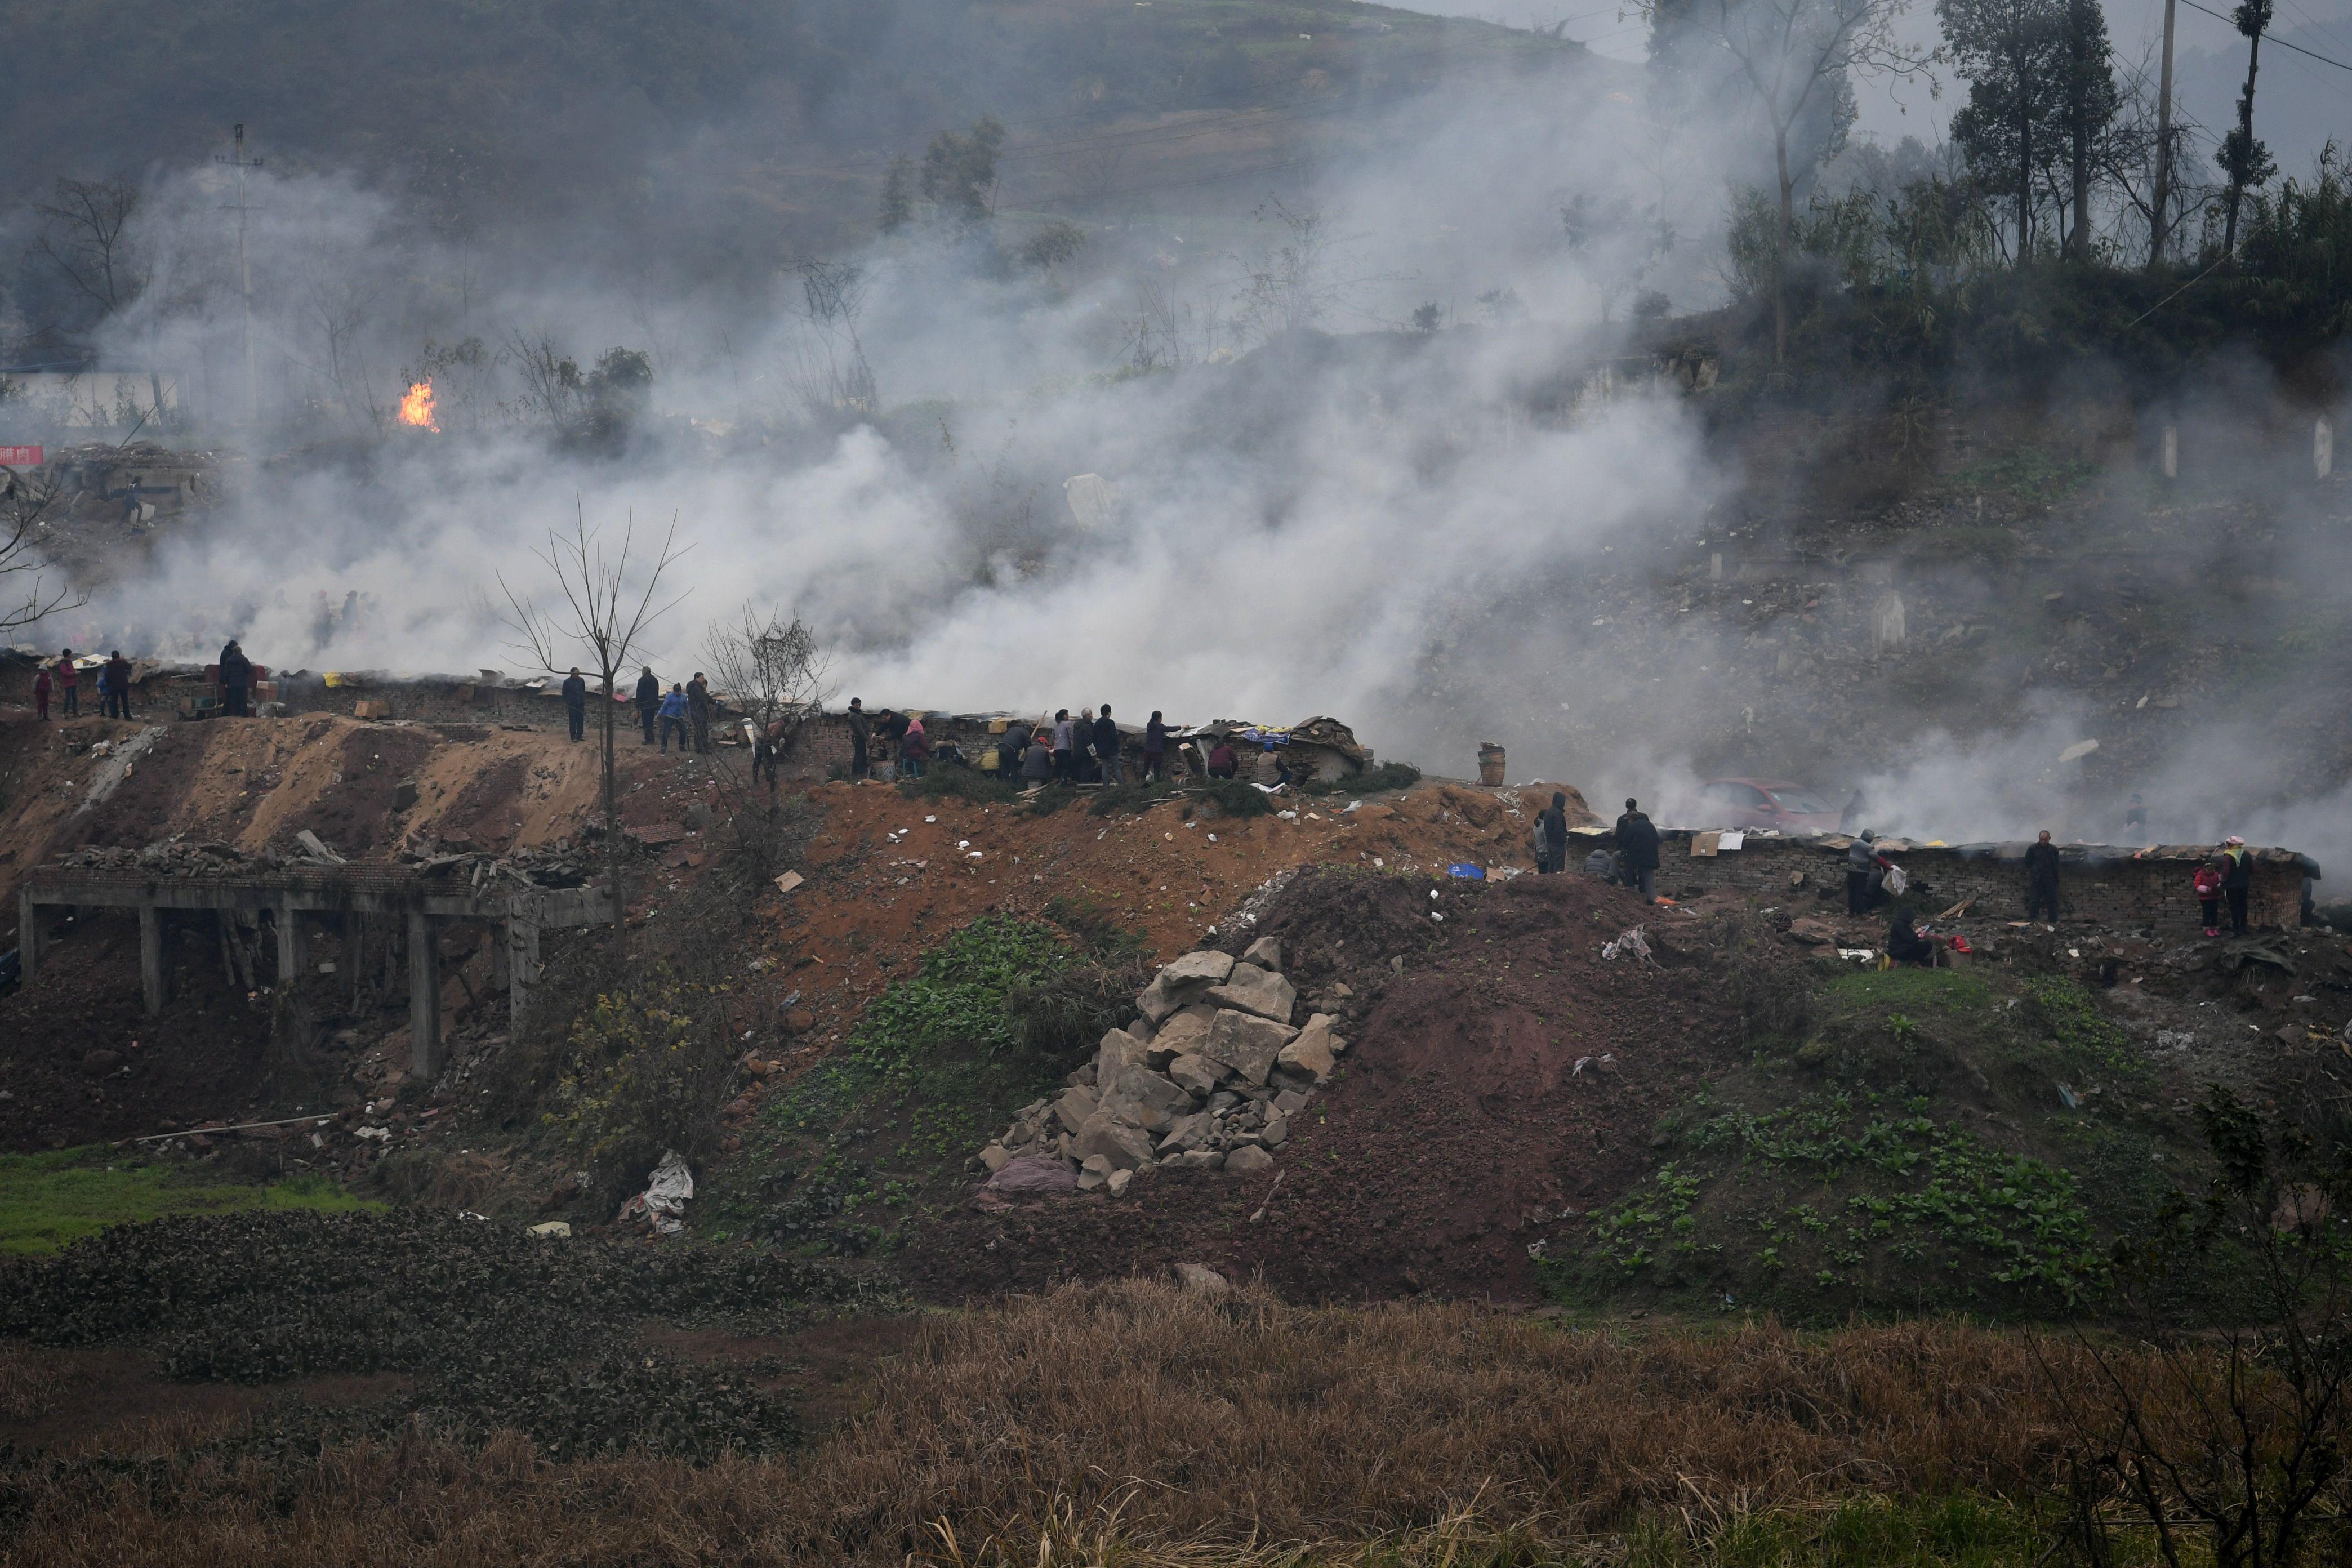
(861, 733)
(2042, 877)
(118, 682)
(1905, 945)
(1009, 748)
(1863, 866)
(697, 709)
(236, 678)
(1037, 764)
(1220, 760)
(1155, 749)
(2237, 880)
(1637, 847)
(1106, 748)
(649, 702)
(1065, 743)
(1554, 858)
(576, 702)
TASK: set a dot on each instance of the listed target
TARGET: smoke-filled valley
(446, 1115)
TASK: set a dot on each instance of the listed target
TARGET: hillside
(736, 130)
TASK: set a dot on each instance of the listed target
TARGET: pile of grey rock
(1209, 1074)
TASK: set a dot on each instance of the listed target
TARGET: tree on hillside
(2243, 158)
(608, 605)
(959, 170)
(897, 203)
(85, 236)
(2013, 54)
(1794, 60)
(2089, 102)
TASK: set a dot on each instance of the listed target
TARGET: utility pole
(238, 162)
(2163, 149)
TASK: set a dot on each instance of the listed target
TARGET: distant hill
(730, 125)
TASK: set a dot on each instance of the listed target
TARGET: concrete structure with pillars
(294, 896)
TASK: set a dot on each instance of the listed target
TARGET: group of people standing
(684, 711)
(1630, 858)
(61, 681)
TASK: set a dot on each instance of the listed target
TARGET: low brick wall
(2101, 884)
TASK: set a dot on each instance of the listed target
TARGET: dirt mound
(1501, 1073)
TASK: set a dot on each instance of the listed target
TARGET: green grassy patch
(2029, 473)
(1867, 1531)
(1933, 1139)
(50, 1200)
(880, 1135)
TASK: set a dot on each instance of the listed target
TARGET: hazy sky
(2300, 102)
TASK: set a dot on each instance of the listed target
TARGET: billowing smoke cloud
(1372, 524)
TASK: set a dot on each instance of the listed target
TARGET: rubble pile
(1210, 1075)
(563, 864)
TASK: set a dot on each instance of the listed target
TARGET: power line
(2276, 42)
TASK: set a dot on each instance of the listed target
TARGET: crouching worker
(1905, 944)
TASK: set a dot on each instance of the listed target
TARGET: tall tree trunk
(2246, 130)
(2155, 224)
(2078, 117)
(1780, 245)
(2024, 46)
(613, 832)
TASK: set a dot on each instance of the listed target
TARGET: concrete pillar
(289, 945)
(424, 996)
(522, 965)
(28, 934)
(152, 981)
(2173, 451)
(2322, 448)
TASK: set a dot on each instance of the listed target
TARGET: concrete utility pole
(238, 162)
(2163, 148)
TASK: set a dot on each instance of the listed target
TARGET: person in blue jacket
(673, 717)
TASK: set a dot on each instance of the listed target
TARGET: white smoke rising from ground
(1317, 527)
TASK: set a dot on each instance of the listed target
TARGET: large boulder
(1074, 1107)
(1127, 1148)
(1265, 953)
(1181, 982)
(1185, 1030)
(1259, 990)
(1118, 1050)
(1246, 1043)
(1205, 967)
(1248, 1158)
(1196, 1074)
(1312, 1052)
(1141, 1098)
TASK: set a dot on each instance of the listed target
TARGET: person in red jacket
(2208, 882)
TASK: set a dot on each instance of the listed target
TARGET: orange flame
(416, 406)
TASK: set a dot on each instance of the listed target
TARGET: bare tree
(608, 604)
(780, 676)
(25, 503)
(833, 295)
(86, 234)
(1795, 56)
(774, 669)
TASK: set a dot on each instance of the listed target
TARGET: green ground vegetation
(51, 1199)
(879, 1133)
(1929, 1140)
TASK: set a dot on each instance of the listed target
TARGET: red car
(1766, 802)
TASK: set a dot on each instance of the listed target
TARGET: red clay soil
(1460, 1131)
(65, 1042)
